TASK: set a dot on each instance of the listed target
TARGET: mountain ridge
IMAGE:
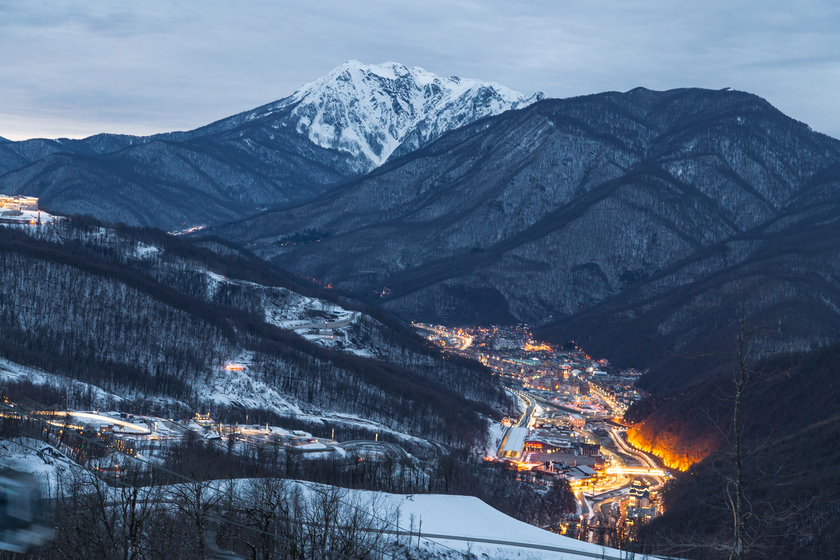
(279, 154)
(553, 208)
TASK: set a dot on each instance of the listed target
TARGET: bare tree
(196, 501)
(741, 509)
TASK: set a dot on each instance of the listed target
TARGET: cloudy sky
(77, 68)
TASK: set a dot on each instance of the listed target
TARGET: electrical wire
(312, 486)
(190, 480)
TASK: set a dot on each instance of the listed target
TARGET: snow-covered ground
(22, 456)
(101, 398)
(338, 419)
(521, 406)
(467, 524)
(44, 462)
(145, 251)
(495, 433)
(442, 525)
(253, 385)
(321, 322)
(447, 526)
(282, 307)
(27, 217)
(229, 385)
(11, 371)
(539, 411)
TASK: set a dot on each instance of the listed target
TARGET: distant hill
(785, 270)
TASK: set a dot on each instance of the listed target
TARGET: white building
(514, 443)
(17, 202)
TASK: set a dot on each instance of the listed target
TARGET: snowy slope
(319, 321)
(442, 525)
(370, 111)
(13, 372)
(241, 339)
(467, 524)
(453, 527)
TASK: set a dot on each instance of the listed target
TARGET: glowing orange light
(234, 367)
(674, 452)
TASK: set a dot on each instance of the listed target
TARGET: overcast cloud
(77, 68)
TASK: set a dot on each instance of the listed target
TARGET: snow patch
(143, 251)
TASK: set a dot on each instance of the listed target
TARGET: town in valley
(570, 428)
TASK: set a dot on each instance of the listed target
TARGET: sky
(75, 68)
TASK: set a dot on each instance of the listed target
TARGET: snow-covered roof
(514, 440)
(588, 471)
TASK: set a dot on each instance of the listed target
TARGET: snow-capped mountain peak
(370, 111)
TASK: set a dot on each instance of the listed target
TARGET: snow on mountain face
(370, 111)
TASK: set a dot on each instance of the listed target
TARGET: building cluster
(513, 354)
(510, 351)
(562, 385)
(114, 436)
(552, 451)
(578, 388)
(18, 203)
(618, 385)
(641, 506)
(120, 443)
(16, 209)
(622, 388)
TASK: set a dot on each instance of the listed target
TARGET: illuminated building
(590, 449)
(204, 420)
(576, 420)
(639, 494)
(514, 443)
(127, 446)
(17, 202)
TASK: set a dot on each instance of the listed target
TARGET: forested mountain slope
(784, 271)
(789, 423)
(539, 214)
(155, 319)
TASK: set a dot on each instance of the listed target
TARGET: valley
(571, 427)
